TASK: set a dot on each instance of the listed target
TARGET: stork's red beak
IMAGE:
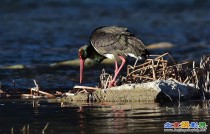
(81, 69)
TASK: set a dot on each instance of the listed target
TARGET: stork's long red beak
(81, 69)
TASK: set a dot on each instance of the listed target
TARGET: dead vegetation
(35, 92)
(163, 67)
(156, 67)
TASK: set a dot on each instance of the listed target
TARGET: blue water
(38, 33)
(144, 117)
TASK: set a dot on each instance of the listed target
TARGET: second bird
(114, 43)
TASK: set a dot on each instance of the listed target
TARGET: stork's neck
(94, 55)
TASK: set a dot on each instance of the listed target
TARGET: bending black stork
(113, 43)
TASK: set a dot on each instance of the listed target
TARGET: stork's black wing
(116, 40)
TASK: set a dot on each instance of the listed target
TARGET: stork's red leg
(117, 70)
(116, 67)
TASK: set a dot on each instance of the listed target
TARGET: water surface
(38, 33)
(144, 117)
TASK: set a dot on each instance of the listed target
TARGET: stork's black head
(83, 52)
(82, 56)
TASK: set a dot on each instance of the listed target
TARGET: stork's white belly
(111, 56)
(134, 56)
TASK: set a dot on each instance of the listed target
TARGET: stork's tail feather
(145, 54)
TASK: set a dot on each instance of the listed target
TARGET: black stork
(114, 43)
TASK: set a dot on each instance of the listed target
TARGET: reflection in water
(97, 117)
(35, 103)
(142, 117)
(81, 123)
(119, 121)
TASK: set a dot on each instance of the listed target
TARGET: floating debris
(157, 79)
(36, 93)
(4, 94)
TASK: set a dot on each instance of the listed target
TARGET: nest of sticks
(163, 67)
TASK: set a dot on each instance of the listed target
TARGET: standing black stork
(114, 43)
